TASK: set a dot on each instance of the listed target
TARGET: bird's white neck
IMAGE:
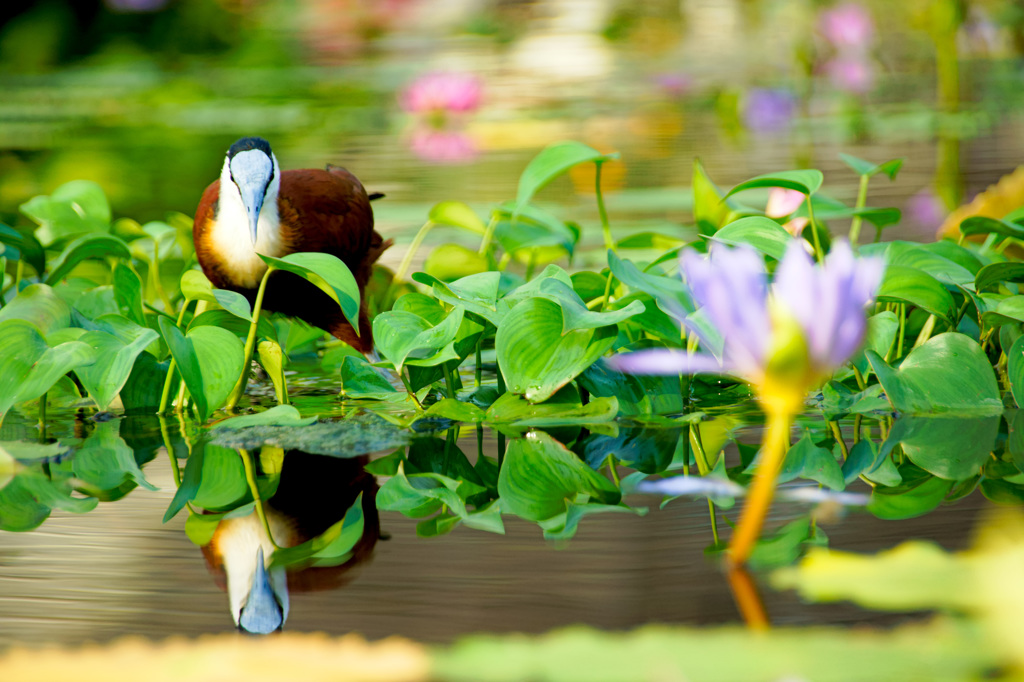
(231, 235)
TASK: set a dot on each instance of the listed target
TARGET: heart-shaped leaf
(551, 162)
(329, 274)
(576, 315)
(40, 305)
(457, 214)
(862, 167)
(404, 337)
(97, 245)
(985, 225)
(209, 360)
(953, 448)
(478, 293)
(74, 207)
(539, 478)
(949, 373)
(908, 285)
(536, 357)
(764, 234)
(806, 181)
(35, 367)
(993, 273)
(115, 358)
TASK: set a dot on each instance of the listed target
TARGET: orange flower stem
(773, 454)
(747, 598)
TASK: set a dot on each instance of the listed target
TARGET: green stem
(250, 478)
(612, 464)
(838, 434)
(154, 275)
(411, 253)
(408, 387)
(714, 522)
(607, 290)
(42, 413)
(250, 343)
(926, 331)
(449, 380)
(19, 273)
(856, 428)
(862, 197)
(485, 243)
(606, 227)
(703, 466)
(166, 393)
(478, 370)
(903, 324)
(818, 253)
(861, 383)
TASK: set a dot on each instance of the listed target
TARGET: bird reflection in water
(315, 492)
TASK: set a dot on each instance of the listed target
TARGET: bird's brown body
(318, 210)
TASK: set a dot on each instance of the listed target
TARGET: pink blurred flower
(847, 26)
(926, 209)
(442, 146)
(851, 73)
(782, 202)
(674, 84)
(442, 92)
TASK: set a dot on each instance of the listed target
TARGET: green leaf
(536, 357)
(329, 274)
(74, 207)
(576, 315)
(142, 391)
(98, 245)
(906, 502)
(40, 305)
(1015, 370)
(478, 293)
(985, 225)
(764, 234)
(882, 330)
(457, 214)
(514, 411)
(279, 415)
(20, 508)
(651, 240)
(808, 460)
(24, 246)
(915, 256)
(333, 547)
(106, 461)
(862, 167)
(195, 286)
(456, 411)
(993, 273)
(35, 367)
(672, 295)
(221, 479)
(115, 359)
(236, 325)
(953, 448)
(128, 293)
(449, 262)
(551, 162)
(806, 181)
(360, 379)
(1009, 310)
(539, 478)
(904, 284)
(710, 209)
(405, 337)
(209, 360)
(948, 373)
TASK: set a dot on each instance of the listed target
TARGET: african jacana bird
(255, 208)
(314, 493)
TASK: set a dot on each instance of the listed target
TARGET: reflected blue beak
(261, 614)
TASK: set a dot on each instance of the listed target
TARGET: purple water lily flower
(826, 301)
(769, 111)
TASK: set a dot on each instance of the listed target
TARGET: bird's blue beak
(261, 614)
(252, 197)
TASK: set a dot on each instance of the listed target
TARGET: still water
(119, 570)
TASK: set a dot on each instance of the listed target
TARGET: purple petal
(731, 286)
(665, 361)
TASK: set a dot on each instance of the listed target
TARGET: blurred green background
(144, 96)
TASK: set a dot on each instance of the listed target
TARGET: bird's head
(258, 597)
(251, 171)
